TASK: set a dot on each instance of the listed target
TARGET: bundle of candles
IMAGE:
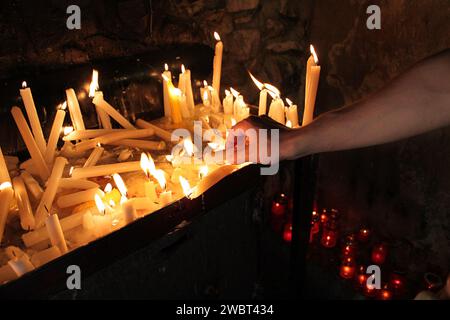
(81, 184)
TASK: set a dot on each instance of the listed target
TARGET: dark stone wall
(401, 189)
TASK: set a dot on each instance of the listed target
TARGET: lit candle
(32, 186)
(129, 212)
(276, 109)
(385, 294)
(111, 111)
(347, 268)
(148, 166)
(217, 67)
(54, 135)
(262, 96)
(287, 232)
(292, 114)
(228, 103)
(312, 82)
(23, 202)
(42, 257)
(33, 117)
(205, 94)
(4, 173)
(104, 120)
(349, 247)
(379, 253)
(397, 283)
(45, 205)
(216, 104)
(174, 99)
(315, 226)
(36, 155)
(73, 199)
(6, 196)
(161, 133)
(363, 235)
(166, 74)
(74, 110)
(165, 197)
(71, 183)
(106, 169)
(329, 235)
(95, 155)
(55, 233)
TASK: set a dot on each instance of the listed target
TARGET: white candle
(42, 257)
(105, 120)
(95, 155)
(33, 117)
(39, 235)
(276, 110)
(167, 107)
(141, 144)
(7, 274)
(71, 183)
(54, 136)
(4, 173)
(228, 103)
(129, 212)
(292, 113)
(262, 109)
(46, 203)
(205, 94)
(217, 68)
(55, 233)
(27, 220)
(32, 186)
(74, 110)
(112, 137)
(184, 107)
(73, 199)
(216, 105)
(165, 197)
(105, 106)
(89, 134)
(105, 170)
(150, 190)
(21, 265)
(188, 91)
(36, 155)
(163, 134)
(312, 82)
(6, 196)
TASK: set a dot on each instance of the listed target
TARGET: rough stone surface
(241, 5)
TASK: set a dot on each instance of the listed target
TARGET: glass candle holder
(287, 232)
(329, 235)
(315, 226)
(363, 235)
(379, 253)
(349, 246)
(347, 268)
(361, 278)
(385, 293)
(397, 284)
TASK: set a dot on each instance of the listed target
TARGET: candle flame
(123, 199)
(71, 171)
(67, 130)
(166, 67)
(63, 106)
(120, 184)
(5, 185)
(188, 147)
(108, 188)
(99, 203)
(24, 84)
(210, 88)
(183, 69)
(203, 172)
(147, 164)
(233, 122)
(217, 36)
(259, 84)
(94, 84)
(314, 54)
(159, 176)
(205, 83)
(289, 124)
(235, 93)
(289, 102)
(227, 92)
(205, 96)
(176, 92)
(272, 89)
(187, 190)
(273, 94)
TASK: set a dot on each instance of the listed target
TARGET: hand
(257, 140)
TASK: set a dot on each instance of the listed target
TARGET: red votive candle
(379, 253)
(287, 232)
(329, 234)
(349, 246)
(397, 284)
(315, 226)
(363, 235)
(324, 217)
(385, 293)
(278, 212)
(347, 269)
(361, 278)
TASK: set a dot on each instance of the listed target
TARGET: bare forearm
(416, 102)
